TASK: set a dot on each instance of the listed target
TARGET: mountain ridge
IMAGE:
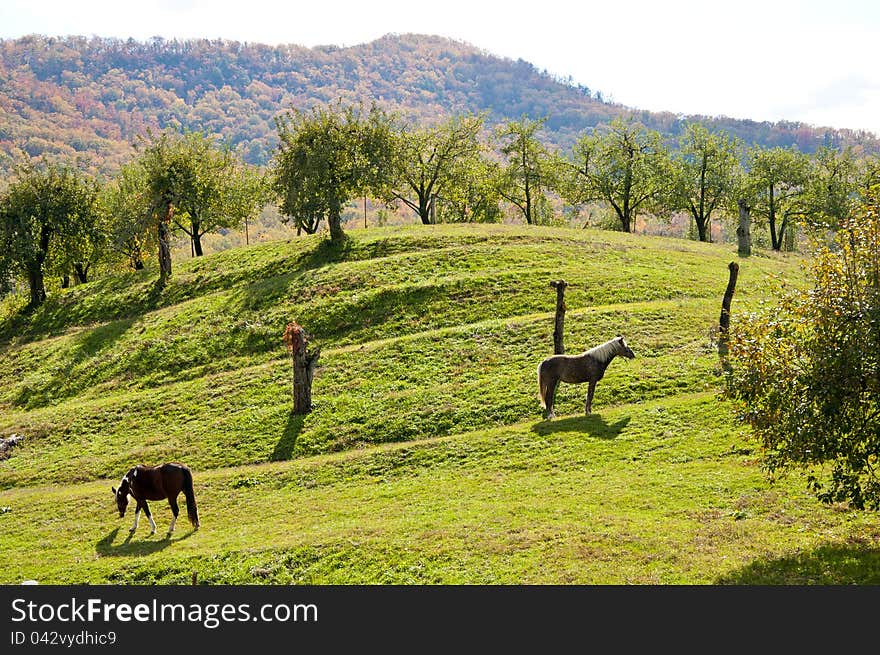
(90, 99)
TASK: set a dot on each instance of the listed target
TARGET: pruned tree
(428, 161)
(724, 319)
(624, 165)
(207, 185)
(559, 319)
(530, 169)
(743, 228)
(704, 173)
(327, 156)
(778, 179)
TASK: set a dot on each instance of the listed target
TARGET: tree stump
(304, 362)
(724, 321)
(558, 334)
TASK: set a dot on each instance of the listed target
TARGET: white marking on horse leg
(152, 524)
(137, 518)
(171, 527)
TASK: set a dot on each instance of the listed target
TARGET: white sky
(806, 61)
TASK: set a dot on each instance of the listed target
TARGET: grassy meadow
(425, 460)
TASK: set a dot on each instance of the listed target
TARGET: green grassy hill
(425, 459)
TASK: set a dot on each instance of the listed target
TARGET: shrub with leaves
(807, 372)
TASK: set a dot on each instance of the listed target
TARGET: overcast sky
(805, 61)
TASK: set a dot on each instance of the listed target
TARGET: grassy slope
(425, 459)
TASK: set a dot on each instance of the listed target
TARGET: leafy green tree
(778, 178)
(530, 170)
(208, 187)
(868, 174)
(832, 188)
(704, 171)
(472, 194)
(429, 159)
(624, 165)
(806, 374)
(85, 245)
(47, 221)
(328, 156)
(126, 206)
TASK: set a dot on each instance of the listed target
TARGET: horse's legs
(137, 518)
(149, 516)
(589, 405)
(551, 397)
(172, 501)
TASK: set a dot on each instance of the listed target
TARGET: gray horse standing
(587, 367)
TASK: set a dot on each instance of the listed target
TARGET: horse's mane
(125, 483)
(605, 351)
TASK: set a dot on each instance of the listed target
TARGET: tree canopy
(207, 185)
(430, 160)
(48, 222)
(326, 157)
(777, 178)
(625, 165)
(530, 170)
(704, 173)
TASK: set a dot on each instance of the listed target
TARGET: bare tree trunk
(36, 277)
(304, 363)
(743, 232)
(82, 272)
(335, 220)
(165, 244)
(558, 333)
(37, 285)
(724, 321)
(702, 232)
(197, 245)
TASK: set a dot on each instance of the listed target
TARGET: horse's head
(624, 349)
(121, 495)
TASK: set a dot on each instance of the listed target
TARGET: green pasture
(425, 459)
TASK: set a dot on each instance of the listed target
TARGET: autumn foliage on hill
(91, 98)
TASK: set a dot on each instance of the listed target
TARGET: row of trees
(58, 221)
(447, 172)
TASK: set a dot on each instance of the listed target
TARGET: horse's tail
(542, 386)
(191, 510)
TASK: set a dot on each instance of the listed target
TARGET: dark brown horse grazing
(587, 367)
(145, 483)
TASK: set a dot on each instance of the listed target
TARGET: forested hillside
(92, 97)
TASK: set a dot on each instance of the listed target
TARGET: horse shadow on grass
(592, 425)
(826, 565)
(131, 546)
(284, 448)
